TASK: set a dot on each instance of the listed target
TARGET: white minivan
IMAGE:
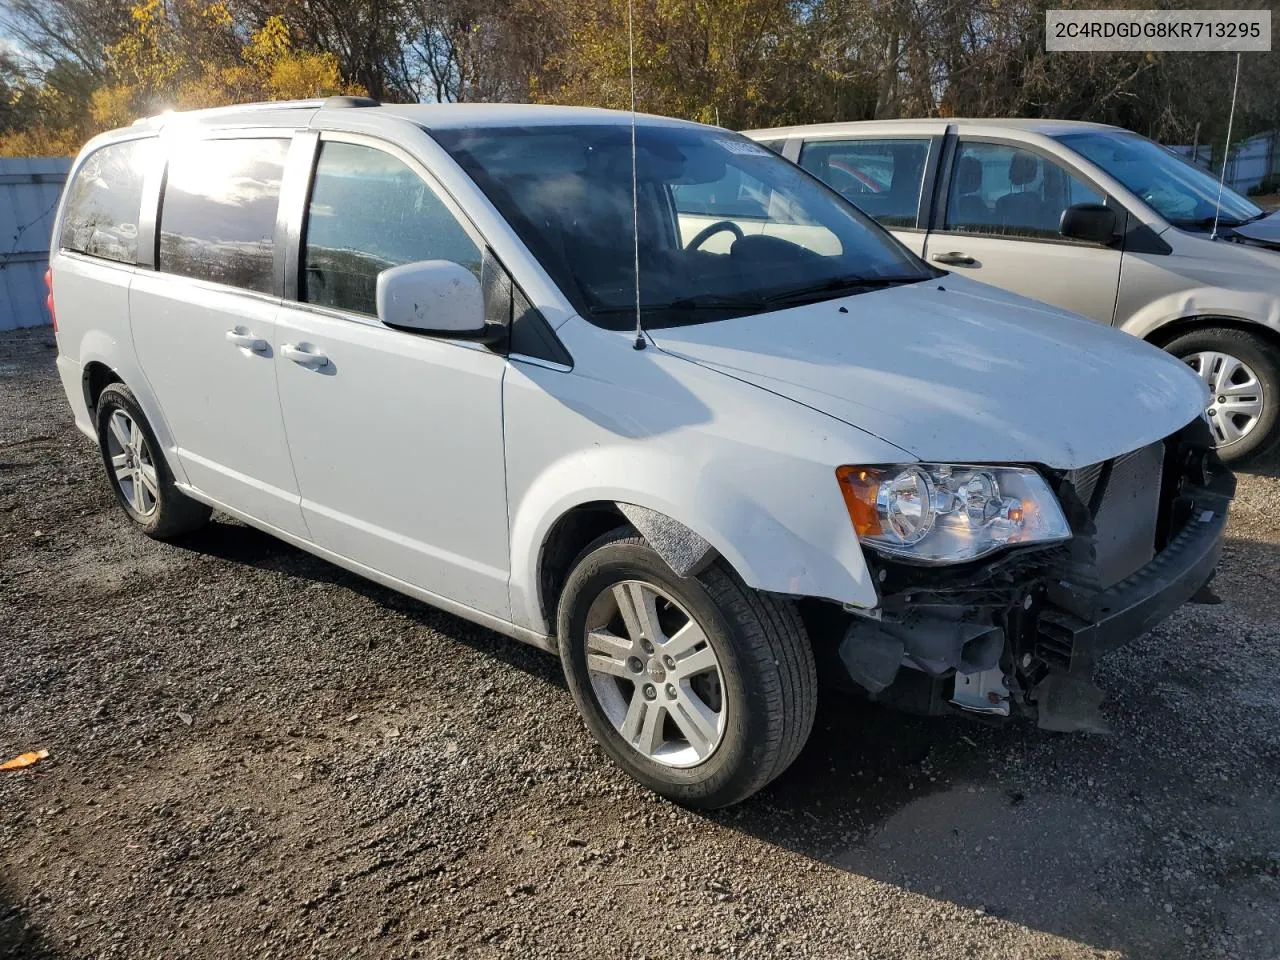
(1089, 217)
(405, 339)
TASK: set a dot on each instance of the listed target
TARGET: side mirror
(436, 297)
(1095, 222)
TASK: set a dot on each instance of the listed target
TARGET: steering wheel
(711, 230)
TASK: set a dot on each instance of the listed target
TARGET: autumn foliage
(74, 67)
(185, 54)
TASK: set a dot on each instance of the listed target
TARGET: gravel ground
(254, 753)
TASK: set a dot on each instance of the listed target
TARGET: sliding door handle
(308, 358)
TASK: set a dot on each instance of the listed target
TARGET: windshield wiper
(837, 285)
(1206, 222)
(698, 302)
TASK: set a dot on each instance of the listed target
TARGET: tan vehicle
(1088, 217)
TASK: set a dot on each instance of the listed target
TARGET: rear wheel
(138, 473)
(1242, 373)
(699, 687)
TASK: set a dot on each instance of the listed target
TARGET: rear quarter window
(103, 202)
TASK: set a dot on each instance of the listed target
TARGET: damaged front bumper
(1132, 607)
(990, 637)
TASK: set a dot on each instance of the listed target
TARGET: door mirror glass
(436, 297)
(1094, 222)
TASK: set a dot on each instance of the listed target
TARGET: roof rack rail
(351, 102)
(311, 104)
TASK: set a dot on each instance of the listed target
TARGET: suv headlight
(949, 513)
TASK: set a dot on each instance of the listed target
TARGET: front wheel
(1242, 372)
(700, 688)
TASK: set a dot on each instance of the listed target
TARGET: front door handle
(246, 340)
(955, 259)
(308, 358)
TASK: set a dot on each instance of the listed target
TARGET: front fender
(805, 551)
(748, 471)
(1245, 306)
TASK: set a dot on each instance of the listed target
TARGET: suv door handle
(247, 340)
(291, 351)
(955, 259)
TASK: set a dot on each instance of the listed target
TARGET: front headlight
(949, 513)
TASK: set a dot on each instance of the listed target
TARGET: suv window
(739, 198)
(218, 219)
(368, 212)
(1001, 189)
(735, 195)
(883, 177)
(104, 200)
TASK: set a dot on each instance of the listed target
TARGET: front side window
(370, 211)
(104, 200)
(218, 218)
(1179, 191)
(1000, 189)
(883, 177)
(726, 227)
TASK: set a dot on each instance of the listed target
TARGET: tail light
(48, 300)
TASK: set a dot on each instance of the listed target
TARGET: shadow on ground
(19, 937)
(236, 543)
(990, 817)
(1268, 466)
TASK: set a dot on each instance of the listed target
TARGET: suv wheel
(699, 687)
(1243, 376)
(138, 473)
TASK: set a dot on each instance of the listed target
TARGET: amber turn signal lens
(860, 486)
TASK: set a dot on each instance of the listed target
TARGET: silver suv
(1089, 217)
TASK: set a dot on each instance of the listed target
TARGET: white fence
(1249, 162)
(29, 190)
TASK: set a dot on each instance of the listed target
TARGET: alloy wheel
(132, 463)
(655, 674)
(1236, 403)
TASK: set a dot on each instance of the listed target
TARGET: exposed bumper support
(1136, 604)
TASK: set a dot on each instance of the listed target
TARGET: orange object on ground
(23, 760)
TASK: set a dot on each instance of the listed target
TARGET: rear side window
(368, 212)
(104, 200)
(218, 218)
(883, 177)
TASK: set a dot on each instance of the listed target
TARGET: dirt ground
(254, 753)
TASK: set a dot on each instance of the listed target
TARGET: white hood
(956, 371)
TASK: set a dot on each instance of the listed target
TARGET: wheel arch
(698, 517)
(567, 537)
(105, 360)
(683, 550)
(1167, 332)
(96, 377)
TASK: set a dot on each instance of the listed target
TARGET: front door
(1000, 226)
(396, 437)
(204, 324)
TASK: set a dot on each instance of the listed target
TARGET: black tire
(174, 513)
(769, 681)
(1260, 355)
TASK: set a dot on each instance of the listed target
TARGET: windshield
(726, 226)
(1179, 191)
